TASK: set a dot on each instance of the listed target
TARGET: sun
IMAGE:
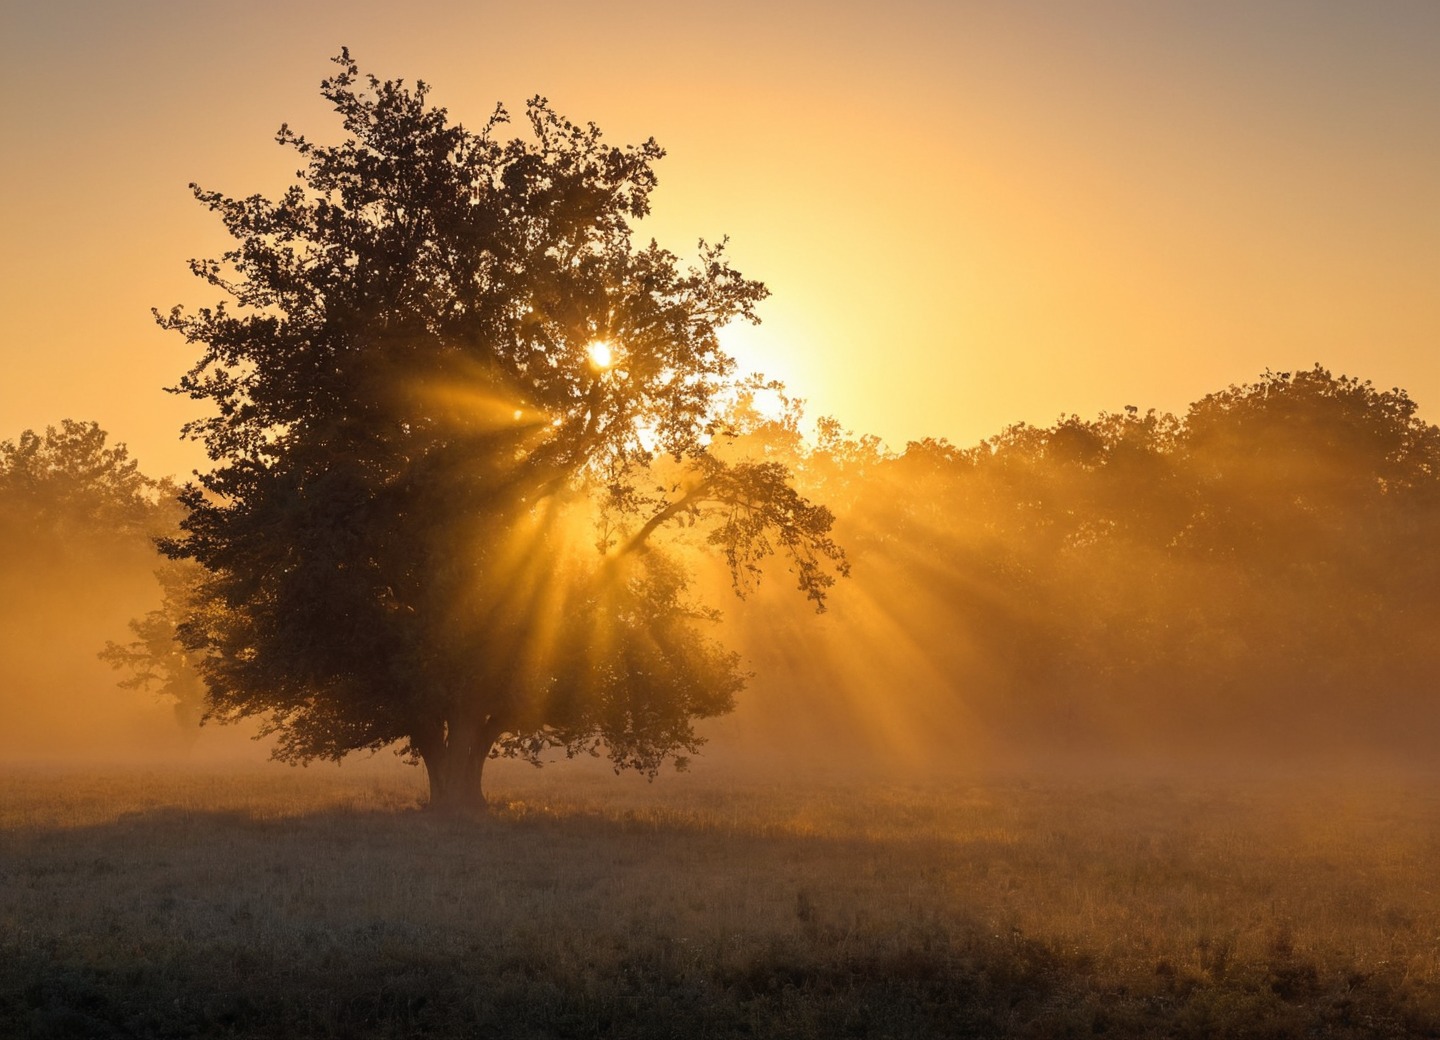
(600, 353)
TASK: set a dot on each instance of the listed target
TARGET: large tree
(456, 413)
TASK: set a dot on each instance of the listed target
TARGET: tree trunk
(454, 764)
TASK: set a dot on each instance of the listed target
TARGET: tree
(69, 486)
(78, 521)
(82, 513)
(1260, 571)
(457, 411)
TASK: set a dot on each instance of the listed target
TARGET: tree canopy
(455, 412)
(78, 521)
(69, 485)
(1256, 575)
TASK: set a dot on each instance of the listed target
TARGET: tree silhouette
(69, 486)
(443, 379)
(78, 521)
(1257, 575)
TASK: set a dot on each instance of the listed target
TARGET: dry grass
(322, 903)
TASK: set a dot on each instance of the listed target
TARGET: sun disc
(600, 354)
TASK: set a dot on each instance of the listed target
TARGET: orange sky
(969, 213)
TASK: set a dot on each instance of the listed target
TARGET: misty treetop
(1259, 573)
(419, 444)
(71, 485)
(77, 518)
(78, 523)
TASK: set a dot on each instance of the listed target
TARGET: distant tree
(1260, 570)
(447, 379)
(74, 509)
(1285, 462)
(71, 488)
(1318, 497)
(78, 523)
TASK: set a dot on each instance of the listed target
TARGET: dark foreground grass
(283, 904)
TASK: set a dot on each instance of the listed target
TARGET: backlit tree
(455, 413)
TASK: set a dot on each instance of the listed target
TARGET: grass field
(282, 903)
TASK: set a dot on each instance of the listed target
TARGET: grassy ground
(321, 903)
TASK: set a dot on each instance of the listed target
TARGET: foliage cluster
(78, 520)
(1260, 573)
(68, 495)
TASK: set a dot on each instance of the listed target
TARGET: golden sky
(969, 213)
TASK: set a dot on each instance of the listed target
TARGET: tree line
(1257, 576)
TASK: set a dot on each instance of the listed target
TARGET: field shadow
(538, 921)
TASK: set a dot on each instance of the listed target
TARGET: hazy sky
(969, 213)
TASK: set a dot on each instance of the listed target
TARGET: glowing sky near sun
(968, 213)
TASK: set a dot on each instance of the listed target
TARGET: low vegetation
(324, 903)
